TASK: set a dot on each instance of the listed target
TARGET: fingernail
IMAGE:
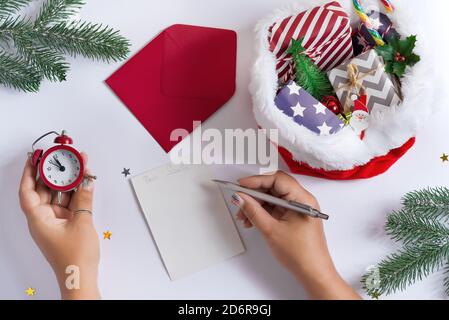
(88, 184)
(237, 200)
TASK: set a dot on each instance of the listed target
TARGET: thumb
(82, 200)
(258, 216)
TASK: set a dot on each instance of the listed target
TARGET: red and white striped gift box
(327, 37)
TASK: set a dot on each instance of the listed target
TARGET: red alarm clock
(61, 168)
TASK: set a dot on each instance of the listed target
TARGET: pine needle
(422, 227)
(91, 40)
(16, 73)
(54, 11)
(40, 44)
(308, 75)
(8, 7)
(407, 266)
(416, 228)
(446, 280)
(11, 27)
(430, 202)
(49, 63)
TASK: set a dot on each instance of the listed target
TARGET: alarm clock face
(61, 168)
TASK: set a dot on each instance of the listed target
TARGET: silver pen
(290, 205)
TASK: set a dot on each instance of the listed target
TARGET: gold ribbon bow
(354, 84)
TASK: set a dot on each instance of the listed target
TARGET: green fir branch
(49, 63)
(22, 33)
(12, 27)
(307, 74)
(16, 73)
(8, 7)
(446, 279)
(41, 44)
(91, 40)
(412, 227)
(411, 264)
(422, 226)
(54, 11)
(430, 202)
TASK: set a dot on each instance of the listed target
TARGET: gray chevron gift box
(365, 74)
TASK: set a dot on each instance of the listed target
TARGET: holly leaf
(389, 68)
(406, 46)
(387, 52)
(413, 59)
(399, 68)
(393, 41)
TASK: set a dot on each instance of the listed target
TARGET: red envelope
(184, 75)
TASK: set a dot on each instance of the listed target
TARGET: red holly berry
(398, 57)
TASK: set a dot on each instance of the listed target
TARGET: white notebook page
(188, 217)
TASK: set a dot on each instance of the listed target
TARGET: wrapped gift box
(305, 110)
(362, 40)
(327, 38)
(365, 74)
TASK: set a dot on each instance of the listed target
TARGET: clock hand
(61, 167)
(57, 161)
(52, 163)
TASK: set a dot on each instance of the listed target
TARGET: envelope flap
(198, 62)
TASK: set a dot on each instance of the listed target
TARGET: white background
(102, 126)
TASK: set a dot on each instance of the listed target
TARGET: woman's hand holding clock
(65, 238)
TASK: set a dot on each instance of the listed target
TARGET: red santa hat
(360, 104)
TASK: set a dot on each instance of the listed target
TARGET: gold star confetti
(107, 235)
(30, 291)
(444, 157)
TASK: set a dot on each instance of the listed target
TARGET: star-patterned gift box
(362, 40)
(306, 111)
